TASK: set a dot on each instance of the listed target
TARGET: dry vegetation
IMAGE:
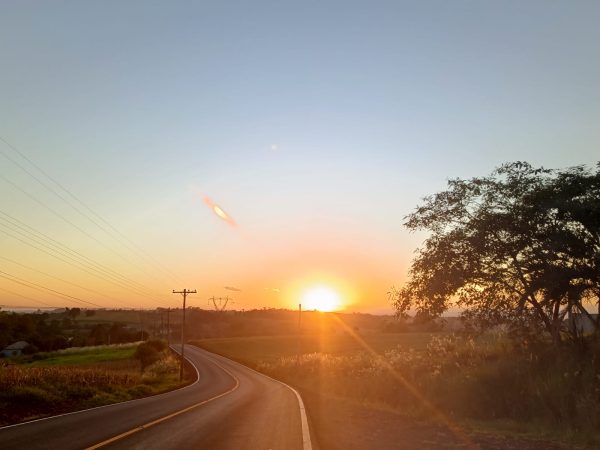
(61, 384)
(490, 383)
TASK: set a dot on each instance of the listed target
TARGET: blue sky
(317, 125)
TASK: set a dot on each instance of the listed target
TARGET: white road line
(306, 442)
(169, 416)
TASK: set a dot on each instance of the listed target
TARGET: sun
(321, 298)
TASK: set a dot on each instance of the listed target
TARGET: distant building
(15, 349)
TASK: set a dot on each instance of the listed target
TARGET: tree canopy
(519, 247)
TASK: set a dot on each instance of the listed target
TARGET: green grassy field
(253, 351)
(82, 356)
(77, 378)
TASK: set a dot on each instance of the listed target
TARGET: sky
(316, 126)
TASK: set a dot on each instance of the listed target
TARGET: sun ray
(445, 420)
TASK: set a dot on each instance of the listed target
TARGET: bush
(157, 344)
(150, 352)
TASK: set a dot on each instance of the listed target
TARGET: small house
(15, 349)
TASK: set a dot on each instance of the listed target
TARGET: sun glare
(321, 298)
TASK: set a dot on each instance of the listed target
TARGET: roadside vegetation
(489, 383)
(78, 378)
(259, 350)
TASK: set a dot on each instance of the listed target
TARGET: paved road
(229, 407)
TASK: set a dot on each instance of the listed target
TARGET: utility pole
(185, 292)
(162, 323)
(168, 327)
(141, 325)
(299, 332)
(154, 324)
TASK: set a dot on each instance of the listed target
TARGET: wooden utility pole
(299, 332)
(168, 327)
(185, 292)
(141, 325)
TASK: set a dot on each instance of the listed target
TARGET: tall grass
(537, 386)
(27, 391)
(12, 377)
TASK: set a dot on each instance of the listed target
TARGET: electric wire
(65, 281)
(40, 287)
(16, 223)
(26, 298)
(72, 260)
(50, 189)
(120, 237)
(83, 268)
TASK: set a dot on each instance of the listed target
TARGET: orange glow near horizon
(321, 298)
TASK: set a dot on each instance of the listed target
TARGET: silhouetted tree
(520, 247)
(73, 313)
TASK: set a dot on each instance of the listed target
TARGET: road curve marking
(306, 442)
(169, 416)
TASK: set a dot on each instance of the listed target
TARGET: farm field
(83, 355)
(51, 383)
(254, 351)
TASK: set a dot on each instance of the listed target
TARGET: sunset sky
(315, 126)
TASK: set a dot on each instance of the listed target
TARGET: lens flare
(438, 414)
(219, 212)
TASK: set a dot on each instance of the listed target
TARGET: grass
(75, 379)
(82, 355)
(491, 384)
(254, 351)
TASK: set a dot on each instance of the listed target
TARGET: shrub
(149, 352)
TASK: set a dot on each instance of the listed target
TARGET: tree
(149, 352)
(519, 247)
(73, 313)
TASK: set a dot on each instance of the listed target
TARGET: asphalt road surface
(229, 407)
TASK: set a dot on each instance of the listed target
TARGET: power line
(26, 298)
(65, 252)
(57, 214)
(32, 285)
(116, 282)
(66, 281)
(62, 248)
(115, 234)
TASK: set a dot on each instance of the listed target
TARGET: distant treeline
(74, 327)
(54, 331)
(272, 322)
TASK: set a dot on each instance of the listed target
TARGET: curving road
(229, 407)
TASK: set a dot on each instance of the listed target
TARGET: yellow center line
(169, 416)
